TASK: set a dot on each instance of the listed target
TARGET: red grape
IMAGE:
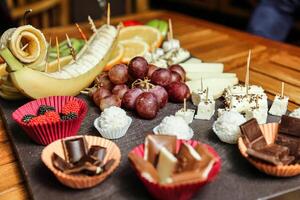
(161, 95)
(112, 100)
(120, 90)
(177, 68)
(99, 94)
(161, 77)
(175, 77)
(129, 98)
(178, 91)
(102, 80)
(138, 67)
(146, 105)
(118, 74)
(152, 68)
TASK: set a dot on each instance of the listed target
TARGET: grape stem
(143, 84)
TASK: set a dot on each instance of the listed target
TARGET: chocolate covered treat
(146, 169)
(290, 126)
(273, 153)
(186, 176)
(74, 149)
(188, 158)
(166, 165)
(252, 134)
(80, 159)
(207, 160)
(153, 144)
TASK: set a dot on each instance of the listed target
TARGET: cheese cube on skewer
(279, 106)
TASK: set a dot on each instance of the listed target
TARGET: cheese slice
(199, 75)
(203, 67)
(216, 86)
(193, 60)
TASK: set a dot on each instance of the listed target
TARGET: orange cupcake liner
(270, 132)
(81, 181)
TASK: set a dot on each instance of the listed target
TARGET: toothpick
(184, 104)
(282, 89)
(201, 83)
(81, 32)
(24, 47)
(26, 13)
(91, 22)
(247, 72)
(70, 46)
(170, 30)
(206, 98)
(108, 14)
(57, 51)
(47, 57)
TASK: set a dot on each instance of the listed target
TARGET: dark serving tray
(238, 179)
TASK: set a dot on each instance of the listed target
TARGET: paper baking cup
(269, 131)
(114, 133)
(46, 133)
(179, 191)
(81, 181)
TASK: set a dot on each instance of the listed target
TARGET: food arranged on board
(138, 68)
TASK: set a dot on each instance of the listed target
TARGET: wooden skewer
(70, 46)
(24, 47)
(282, 89)
(184, 104)
(57, 51)
(247, 72)
(26, 13)
(108, 14)
(206, 98)
(170, 34)
(47, 58)
(91, 22)
(81, 32)
(201, 83)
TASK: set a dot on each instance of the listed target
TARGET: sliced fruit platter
(139, 73)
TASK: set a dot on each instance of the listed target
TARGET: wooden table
(272, 62)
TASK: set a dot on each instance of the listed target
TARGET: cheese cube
(206, 110)
(279, 106)
(187, 115)
(260, 114)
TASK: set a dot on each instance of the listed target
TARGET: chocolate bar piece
(87, 169)
(186, 177)
(144, 167)
(252, 135)
(188, 158)
(274, 154)
(74, 149)
(207, 160)
(97, 152)
(59, 163)
(290, 126)
(166, 165)
(108, 164)
(293, 143)
(153, 144)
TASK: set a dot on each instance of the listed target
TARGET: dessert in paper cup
(81, 161)
(48, 119)
(272, 148)
(168, 177)
(113, 123)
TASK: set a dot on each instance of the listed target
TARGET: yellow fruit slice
(3, 71)
(150, 35)
(115, 57)
(133, 48)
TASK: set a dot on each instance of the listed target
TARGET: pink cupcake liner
(46, 133)
(183, 191)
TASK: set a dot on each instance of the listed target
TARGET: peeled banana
(73, 77)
